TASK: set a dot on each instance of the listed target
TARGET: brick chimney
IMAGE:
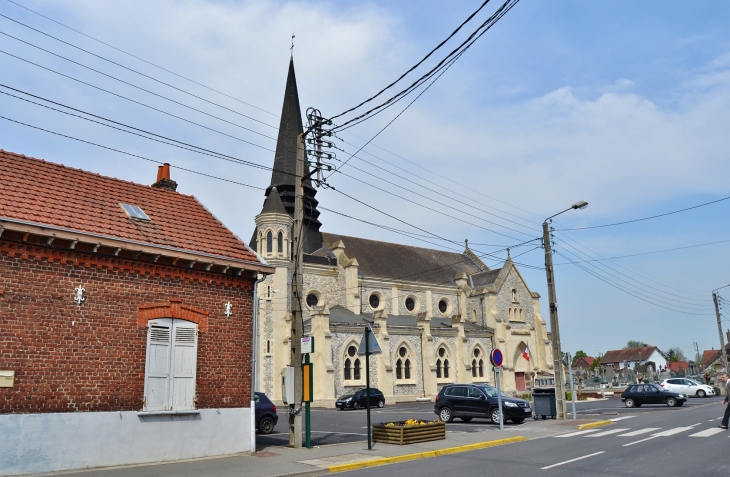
(163, 179)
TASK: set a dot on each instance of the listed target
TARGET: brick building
(126, 321)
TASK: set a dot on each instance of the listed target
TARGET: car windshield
(490, 391)
(693, 383)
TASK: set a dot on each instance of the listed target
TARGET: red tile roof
(677, 365)
(629, 354)
(41, 192)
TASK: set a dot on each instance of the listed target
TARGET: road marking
(341, 433)
(668, 432)
(621, 418)
(708, 432)
(572, 460)
(577, 433)
(606, 433)
(640, 431)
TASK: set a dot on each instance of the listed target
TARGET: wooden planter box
(401, 435)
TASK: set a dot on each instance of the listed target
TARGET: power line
(128, 69)
(136, 102)
(141, 88)
(139, 58)
(648, 218)
(417, 64)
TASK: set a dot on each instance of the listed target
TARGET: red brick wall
(92, 357)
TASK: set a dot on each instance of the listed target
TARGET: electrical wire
(648, 218)
(140, 88)
(140, 59)
(138, 103)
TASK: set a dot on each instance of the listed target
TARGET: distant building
(126, 315)
(584, 363)
(631, 357)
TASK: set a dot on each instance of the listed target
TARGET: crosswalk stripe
(671, 432)
(708, 432)
(606, 433)
(579, 433)
(615, 419)
(640, 432)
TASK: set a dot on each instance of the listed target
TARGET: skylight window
(134, 212)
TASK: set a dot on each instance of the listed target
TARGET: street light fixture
(719, 326)
(554, 327)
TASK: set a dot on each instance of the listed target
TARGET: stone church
(437, 315)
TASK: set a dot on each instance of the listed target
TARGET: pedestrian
(726, 381)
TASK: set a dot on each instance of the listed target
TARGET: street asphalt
(331, 426)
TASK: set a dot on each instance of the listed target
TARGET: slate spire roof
(282, 177)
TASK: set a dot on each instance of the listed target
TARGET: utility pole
(719, 330)
(295, 418)
(554, 327)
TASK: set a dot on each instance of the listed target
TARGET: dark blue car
(266, 417)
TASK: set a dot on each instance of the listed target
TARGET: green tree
(578, 355)
(676, 354)
(635, 344)
(596, 363)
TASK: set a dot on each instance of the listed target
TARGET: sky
(623, 104)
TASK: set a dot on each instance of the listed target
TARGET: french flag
(526, 354)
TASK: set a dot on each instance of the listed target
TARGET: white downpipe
(254, 339)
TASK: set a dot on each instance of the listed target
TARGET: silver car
(688, 387)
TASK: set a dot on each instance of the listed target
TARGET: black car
(266, 417)
(638, 394)
(467, 401)
(358, 399)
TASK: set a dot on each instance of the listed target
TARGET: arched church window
(353, 365)
(442, 362)
(473, 368)
(399, 369)
(348, 368)
(446, 368)
(403, 364)
(438, 369)
(269, 242)
(280, 243)
(356, 369)
(477, 364)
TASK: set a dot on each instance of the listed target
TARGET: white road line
(640, 431)
(621, 418)
(572, 460)
(577, 433)
(606, 433)
(708, 432)
(342, 433)
(676, 430)
(642, 440)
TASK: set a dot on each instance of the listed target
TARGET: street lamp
(554, 328)
(719, 326)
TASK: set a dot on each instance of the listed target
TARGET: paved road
(330, 426)
(684, 441)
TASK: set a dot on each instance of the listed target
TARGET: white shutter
(157, 375)
(183, 366)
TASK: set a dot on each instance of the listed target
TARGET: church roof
(404, 262)
(273, 203)
(341, 315)
(484, 279)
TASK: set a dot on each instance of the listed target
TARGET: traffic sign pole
(367, 383)
(496, 358)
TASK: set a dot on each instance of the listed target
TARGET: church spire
(283, 175)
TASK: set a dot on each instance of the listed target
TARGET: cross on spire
(292, 45)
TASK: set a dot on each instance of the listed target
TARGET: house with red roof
(631, 357)
(126, 314)
(679, 367)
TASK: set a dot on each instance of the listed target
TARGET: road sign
(372, 344)
(496, 358)
(307, 344)
(498, 369)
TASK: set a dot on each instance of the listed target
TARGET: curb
(591, 425)
(423, 455)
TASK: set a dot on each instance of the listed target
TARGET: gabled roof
(677, 365)
(709, 356)
(40, 193)
(629, 354)
(404, 262)
(588, 360)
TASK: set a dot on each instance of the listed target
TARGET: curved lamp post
(554, 327)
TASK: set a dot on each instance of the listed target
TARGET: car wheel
(445, 414)
(266, 425)
(494, 415)
(671, 402)
(630, 403)
(518, 420)
(466, 419)
(381, 403)
(356, 405)
(701, 393)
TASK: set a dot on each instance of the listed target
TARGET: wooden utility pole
(297, 331)
(554, 327)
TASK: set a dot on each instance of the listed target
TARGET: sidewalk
(285, 461)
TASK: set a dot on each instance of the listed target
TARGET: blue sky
(623, 104)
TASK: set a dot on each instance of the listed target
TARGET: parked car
(266, 417)
(686, 386)
(467, 401)
(359, 399)
(638, 394)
